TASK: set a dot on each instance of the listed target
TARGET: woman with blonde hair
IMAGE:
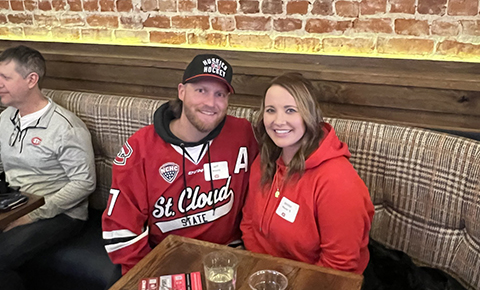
(305, 202)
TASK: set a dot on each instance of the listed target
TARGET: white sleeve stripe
(118, 246)
(118, 234)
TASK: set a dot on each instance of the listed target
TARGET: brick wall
(432, 29)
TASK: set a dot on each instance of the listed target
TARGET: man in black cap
(186, 174)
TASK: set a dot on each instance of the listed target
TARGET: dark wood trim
(433, 94)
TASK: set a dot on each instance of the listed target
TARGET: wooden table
(34, 202)
(177, 254)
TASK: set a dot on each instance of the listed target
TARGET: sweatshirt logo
(123, 155)
(36, 141)
(169, 171)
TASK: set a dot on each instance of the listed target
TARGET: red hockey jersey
(159, 188)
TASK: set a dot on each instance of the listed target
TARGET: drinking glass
(220, 270)
(268, 280)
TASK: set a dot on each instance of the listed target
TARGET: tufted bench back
(426, 190)
(425, 185)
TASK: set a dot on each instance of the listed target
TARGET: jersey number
(114, 193)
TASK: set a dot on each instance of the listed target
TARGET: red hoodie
(322, 218)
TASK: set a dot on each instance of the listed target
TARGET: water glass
(220, 270)
(267, 280)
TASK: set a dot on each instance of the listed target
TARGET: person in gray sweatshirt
(45, 150)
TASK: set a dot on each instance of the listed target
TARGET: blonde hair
(305, 95)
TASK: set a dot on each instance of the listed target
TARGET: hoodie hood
(330, 147)
(161, 122)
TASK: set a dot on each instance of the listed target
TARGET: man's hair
(27, 60)
(306, 97)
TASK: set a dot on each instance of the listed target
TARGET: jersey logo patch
(123, 155)
(36, 141)
(169, 171)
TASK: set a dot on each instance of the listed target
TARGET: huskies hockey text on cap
(211, 66)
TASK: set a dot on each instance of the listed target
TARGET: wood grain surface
(177, 254)
(429, 94)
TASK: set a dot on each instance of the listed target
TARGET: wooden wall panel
(432, 94)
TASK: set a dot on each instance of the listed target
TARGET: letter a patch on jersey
(169, 171)
(123, 155)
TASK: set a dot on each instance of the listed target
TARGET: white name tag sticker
(219, 170)
(287, 209)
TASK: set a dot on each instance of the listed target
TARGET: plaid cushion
(425, 185)
(426, 190)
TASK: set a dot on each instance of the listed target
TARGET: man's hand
(24, 220)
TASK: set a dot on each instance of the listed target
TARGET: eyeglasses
(14, 136)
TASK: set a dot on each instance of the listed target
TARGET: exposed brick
(132, 36)
(210, 39)
(201, 22)
(346, 8)
(30, 5)
(297, 44)
(223, 23)
(326, 26)
(186, 5)
(149, 5)
(12, 32)
(445, 28)
(96, 35)
(167, 5)
(65, 33)
(471, 27)
(36, 32)
(124, 5)
(450, 47)
(206, 5)
(3, 19)
(375, 25)
(20, 19)
(103, 21)
(75, 5)
(463, 7)
(72, 20)
(227, 7)
(168, 37)
(107, 5)
(5, 4)
(297, 7)
(90, 5)
(157, 21)
(287, 24)
(58, 5)
(434, 7)
(272, 6)
(46, 20)
(259, 23)
(348, 45)
(370, 7)
(407, 46)
(402, 6)
(17, 5)
(249, 6)
(259, 42)
(131, 22)
(411, 27)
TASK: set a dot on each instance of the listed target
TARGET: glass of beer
(220, 270)
(267, 280)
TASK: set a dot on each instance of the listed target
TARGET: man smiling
(186, 174)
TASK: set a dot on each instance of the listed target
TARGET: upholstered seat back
(426, 190)
(425, 185)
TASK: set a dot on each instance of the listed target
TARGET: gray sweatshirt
(53, 158)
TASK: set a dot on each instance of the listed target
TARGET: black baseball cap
(209, 66)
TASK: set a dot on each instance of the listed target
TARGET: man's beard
(200, 125)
